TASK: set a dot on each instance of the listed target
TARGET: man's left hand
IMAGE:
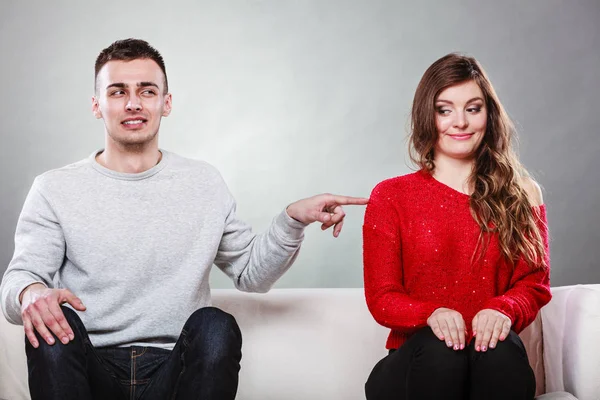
(324, 208)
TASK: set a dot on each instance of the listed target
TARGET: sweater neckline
(451, 191)
(455, 193)
(130, 176)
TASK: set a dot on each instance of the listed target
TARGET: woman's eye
(474, 110)
(443, 111)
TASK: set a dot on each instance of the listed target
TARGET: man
(127, 237)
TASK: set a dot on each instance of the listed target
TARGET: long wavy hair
(499, 203)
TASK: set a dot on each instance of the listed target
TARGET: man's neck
(129, 160)
(454, 172)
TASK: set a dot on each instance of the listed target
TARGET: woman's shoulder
(533, 191)
(399, 188)
(400, 183)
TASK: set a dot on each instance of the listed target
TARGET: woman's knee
(432, 353)
(508, 354)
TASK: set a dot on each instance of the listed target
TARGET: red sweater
(418, 241)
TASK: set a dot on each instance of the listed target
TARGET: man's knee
(213, 334)
(58, 350)
(211, 319)
(213, 323)
(72, 318)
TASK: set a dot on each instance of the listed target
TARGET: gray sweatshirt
(138, 248)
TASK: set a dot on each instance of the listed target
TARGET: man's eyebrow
(117, 85)
(145, 84)
(121, 85)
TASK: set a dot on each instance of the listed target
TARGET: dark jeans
(424, 368)
(204, 364)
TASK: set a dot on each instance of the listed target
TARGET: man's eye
(117, 92)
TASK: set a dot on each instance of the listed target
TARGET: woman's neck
(454, 172)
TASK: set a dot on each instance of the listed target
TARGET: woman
(456, 254)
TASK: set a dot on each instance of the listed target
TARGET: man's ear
(168, 105)
(96, 108)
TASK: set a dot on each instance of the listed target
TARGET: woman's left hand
(489, 326)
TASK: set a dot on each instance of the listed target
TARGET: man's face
(130, 97)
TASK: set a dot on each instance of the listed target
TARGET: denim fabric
(204, 364)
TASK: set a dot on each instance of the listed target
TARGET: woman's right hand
(448, 325)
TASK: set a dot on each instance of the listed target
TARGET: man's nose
(134, 104)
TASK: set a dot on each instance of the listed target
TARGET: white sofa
(313, 344)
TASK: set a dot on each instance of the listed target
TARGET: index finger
(347, 200)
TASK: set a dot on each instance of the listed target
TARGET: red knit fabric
(418, 241)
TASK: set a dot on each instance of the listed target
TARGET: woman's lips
(461, 136)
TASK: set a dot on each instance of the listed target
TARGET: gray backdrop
(292, 98)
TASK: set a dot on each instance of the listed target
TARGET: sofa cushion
(557, 396)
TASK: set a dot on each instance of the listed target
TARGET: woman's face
(461, 120)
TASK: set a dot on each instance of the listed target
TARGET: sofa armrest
(571, 328)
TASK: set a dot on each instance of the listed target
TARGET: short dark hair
(128, 50)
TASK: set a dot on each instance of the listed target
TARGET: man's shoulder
(195, 169)
(62, 175)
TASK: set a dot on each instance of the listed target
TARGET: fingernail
(449, 343)
(71, 336)
(65, 340)
(35, 344)
(462, 346)
(492, 345)
(478, 348)
(484, 348)
(456, 347)
(50, 340)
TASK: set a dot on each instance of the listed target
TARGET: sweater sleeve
(387, 299)
(39, 252)
(529, 288)
(256, 261)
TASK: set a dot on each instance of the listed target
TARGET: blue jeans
(204, 364)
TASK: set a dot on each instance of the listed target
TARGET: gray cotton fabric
(138, 248)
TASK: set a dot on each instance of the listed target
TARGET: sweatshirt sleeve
(256, 261)
(529, 288)
(386, 297)
(39, 252)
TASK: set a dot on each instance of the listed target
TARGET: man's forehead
(131, 72)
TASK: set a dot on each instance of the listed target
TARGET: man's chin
(133, 138)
